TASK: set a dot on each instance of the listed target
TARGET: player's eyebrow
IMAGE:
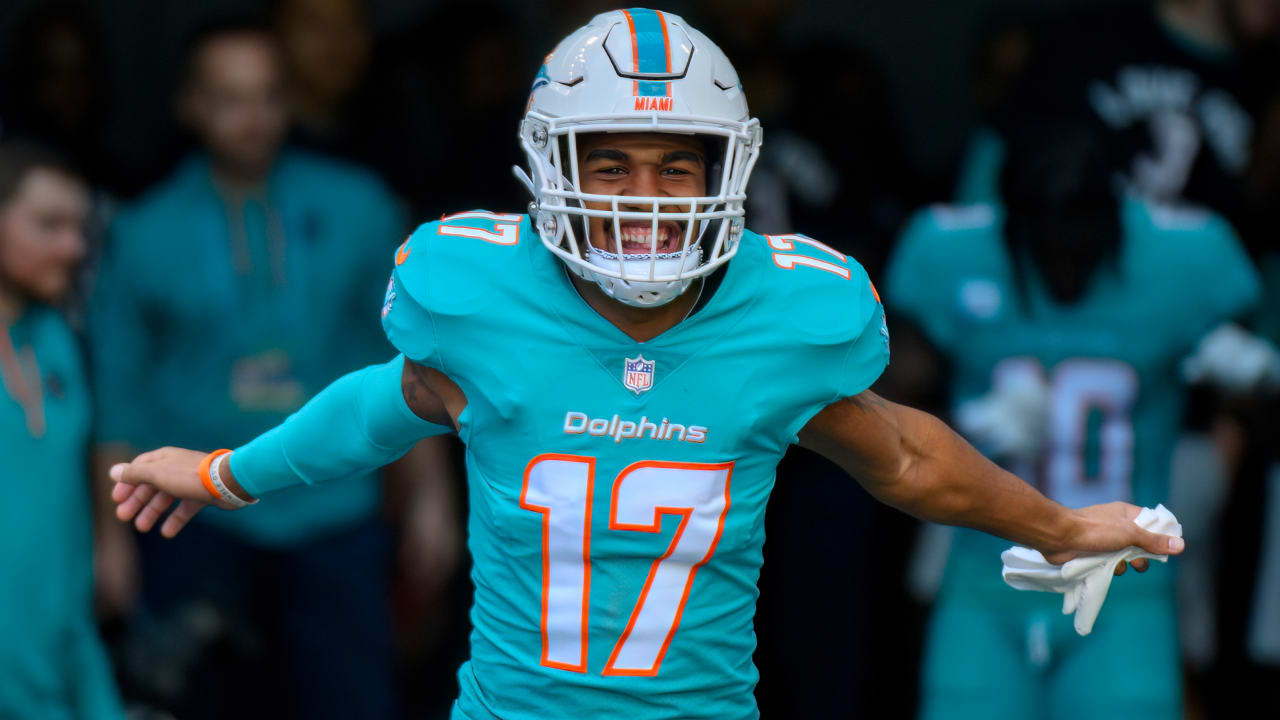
(678, 155)
(608, 154)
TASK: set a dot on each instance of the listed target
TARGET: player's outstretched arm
(911, 460)
(364, 420)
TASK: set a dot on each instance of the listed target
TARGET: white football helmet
(638, 71)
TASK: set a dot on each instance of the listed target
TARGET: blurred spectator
(55, 85)
(833, 166)
(326, 46)
(1170, 80)
(1064, 315)
(1176, 85)
(1248, 567)
(478, 101)
(262, 269)
(52, 663)
(996, 69)
(348, 96)
(1001, 57)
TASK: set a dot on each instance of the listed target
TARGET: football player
(625, 393)
(1065, 316)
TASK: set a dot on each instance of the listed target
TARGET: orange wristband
(203, 472)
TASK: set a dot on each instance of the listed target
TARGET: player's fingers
(1120, 568)
(148, 516)
(134, 473)
(1141, 564)
(143, 468)
(179, 518)
(1158, 544)
(127, 509)
(121, 492)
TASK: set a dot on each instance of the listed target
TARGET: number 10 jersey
(1110, 361)
(617, 489)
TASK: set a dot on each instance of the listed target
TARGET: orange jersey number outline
(563, 485)
(785, 258)
(506, 227)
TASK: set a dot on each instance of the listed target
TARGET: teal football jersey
(617, 488)
(1111, 360)
(52, 662)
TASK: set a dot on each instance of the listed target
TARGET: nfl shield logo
(637, 374)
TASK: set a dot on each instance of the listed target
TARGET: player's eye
(612, 170)
(675, 172)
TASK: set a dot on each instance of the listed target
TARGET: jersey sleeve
(843, 344)
(1221, 280)
(915, 280)
(1234, 287)
(406, 317)
(868, 354)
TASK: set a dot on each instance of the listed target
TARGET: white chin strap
(642, 293)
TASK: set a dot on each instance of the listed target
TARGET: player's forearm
(357, 424)
(942, 478)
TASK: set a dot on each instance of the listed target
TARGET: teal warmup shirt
(52, 663)
(617, 488)
(214, 319)
(1111, 360)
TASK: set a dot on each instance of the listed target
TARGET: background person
(52, 662)
(1064, 316)
(280, 255)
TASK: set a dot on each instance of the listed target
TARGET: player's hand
(1108, 528)
(147, 487)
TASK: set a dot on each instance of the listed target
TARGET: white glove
(1084, 581)
(1234, 358)
(1009, 421)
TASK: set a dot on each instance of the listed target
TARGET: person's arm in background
(422, 498)
(119, 351)
(115, 552)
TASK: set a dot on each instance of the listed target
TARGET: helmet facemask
(709, 225)
(638, 71)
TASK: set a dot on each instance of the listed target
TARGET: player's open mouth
(637, 237)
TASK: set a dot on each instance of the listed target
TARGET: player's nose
(644, 183)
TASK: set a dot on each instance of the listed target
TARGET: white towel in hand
(1085, 580)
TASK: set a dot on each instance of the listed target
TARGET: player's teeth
(642, 238)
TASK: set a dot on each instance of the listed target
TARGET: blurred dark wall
(924, 46)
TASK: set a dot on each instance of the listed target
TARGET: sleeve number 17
(783, 257)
